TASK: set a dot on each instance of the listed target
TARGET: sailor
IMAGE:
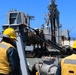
(9, 59)
(68, 64)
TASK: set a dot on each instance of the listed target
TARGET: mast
(54, 21)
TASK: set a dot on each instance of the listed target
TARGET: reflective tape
(3, 45)
(69, 61)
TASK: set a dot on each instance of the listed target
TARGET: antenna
(71, 29)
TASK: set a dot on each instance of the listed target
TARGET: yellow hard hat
(10, 32)
(74, 45)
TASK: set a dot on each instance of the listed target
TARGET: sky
(37, 8)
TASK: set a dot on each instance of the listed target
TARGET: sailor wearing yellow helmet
(68, 64)
(9, 59)
(74, 45)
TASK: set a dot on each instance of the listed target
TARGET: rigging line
(71, 29)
